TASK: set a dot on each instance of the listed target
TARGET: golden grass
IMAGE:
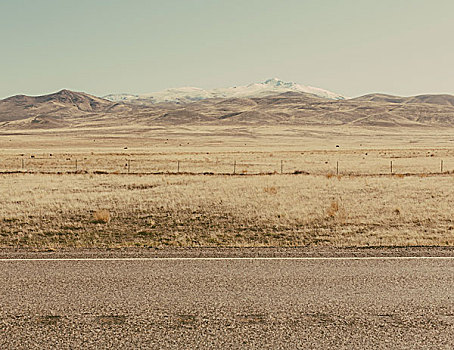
(101, 216)
(362, 206)
(270, 190)
(54, 211)
(200, 149)
(333, 209)
(320, 162)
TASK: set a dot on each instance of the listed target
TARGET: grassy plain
(254, 150)
(185, 210)
(48, 205)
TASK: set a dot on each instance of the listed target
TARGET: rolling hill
(67, 109)
(55, 110)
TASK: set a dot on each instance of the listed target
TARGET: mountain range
(272, 102)
(192, 94)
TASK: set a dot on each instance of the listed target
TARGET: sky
(352, 47)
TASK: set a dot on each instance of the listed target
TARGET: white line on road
(237, 258)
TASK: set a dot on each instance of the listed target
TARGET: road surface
(270, 301)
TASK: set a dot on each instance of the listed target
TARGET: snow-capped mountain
(191, 94)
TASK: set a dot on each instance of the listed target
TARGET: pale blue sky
(351, 47)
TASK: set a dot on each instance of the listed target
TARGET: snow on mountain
(191, 94)
(120, 97)
(275, 86)
(183, 94)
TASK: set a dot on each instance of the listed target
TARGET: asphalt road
(344, 303)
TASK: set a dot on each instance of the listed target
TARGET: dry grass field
(254, 150)
(54, 211)
(47, 204)
(253, 162)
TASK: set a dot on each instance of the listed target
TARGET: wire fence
(144, 165)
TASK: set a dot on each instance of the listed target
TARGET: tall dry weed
(336, 211)
(270, 190)
(101, 216)
(333, 209)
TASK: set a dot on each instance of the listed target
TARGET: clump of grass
(101, 216)
(336, 211)
(333, 209)
(331, 175)
(270, 190)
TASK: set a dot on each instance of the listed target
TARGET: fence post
(178, 166)
(282, 166)
(391, 166)
(76, 164)
(23, 163)
(129, 165)
(441, 166)
(337, 168)
(234, 167)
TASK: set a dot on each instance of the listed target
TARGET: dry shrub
(400, 176)
(336, 211)
(270, 190)
(331, 175)
(101, 216)
(333, 209)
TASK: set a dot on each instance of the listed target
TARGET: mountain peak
(72, 94)
(273, 81)
(280, 84)
(184, 95)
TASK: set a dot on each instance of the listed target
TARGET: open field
(253, 162)
(86, 210)
(49, 203)
(219, 150)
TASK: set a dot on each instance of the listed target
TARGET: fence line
(141, 166)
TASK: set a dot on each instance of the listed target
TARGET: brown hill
(382, 98)
(59, 104)
(445, 100)
(75, 109)
(55, 110)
